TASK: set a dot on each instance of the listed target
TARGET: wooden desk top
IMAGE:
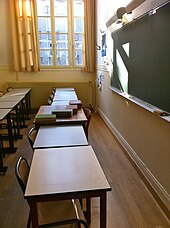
(65, 89)
(65, 170)
(11, 97)
(78, 118)
(65, 96)
(4, 113)
(60, 136)
(47, 109)
(65, 92)
(8, 104)
(19, 91)
(60, 102)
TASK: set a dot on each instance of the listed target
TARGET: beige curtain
(89, 33)
(23, 31)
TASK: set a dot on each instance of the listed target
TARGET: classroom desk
(21, 91)
(65, 89)
(48, 109)
(65, 96)
(66, 173)
(20, 99)
(12, 105)
(78, 118)
(11, 98)
(3, 168)
(6, 113)
(60, 102)
(65, 92)
(60, 136)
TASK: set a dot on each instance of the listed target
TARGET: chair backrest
(1, 93)
(9, 89)
(53, 91)
(49, 101)
(88, 114)
(32, 135)
(51, 97)
(22, 171)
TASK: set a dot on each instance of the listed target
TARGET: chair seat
(60, 211)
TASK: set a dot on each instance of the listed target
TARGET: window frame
(71, 38)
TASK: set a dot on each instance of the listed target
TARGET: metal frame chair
(31, 136)
(88, 114)
(64, 213)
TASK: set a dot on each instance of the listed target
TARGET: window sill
(61, 69)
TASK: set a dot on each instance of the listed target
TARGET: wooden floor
(130, 204)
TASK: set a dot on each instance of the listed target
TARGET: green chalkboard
(146, 60)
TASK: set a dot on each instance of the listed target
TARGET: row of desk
(64, 165)
(9, 102)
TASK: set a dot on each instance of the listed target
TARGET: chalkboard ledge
(149, 107)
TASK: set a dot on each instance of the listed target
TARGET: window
(61, 33)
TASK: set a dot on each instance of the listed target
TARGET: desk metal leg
(88, 210)
(28, 106)
(3, 168)
(103, 208)
(23, 112)
(19, 136)
(10, 136)
(34, 214)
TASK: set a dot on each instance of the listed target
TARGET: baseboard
(159, 193)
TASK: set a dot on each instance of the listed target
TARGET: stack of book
(73, 107)
(63, 113)
(76, 102)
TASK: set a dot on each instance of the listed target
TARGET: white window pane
(45, 41)
(78, 38)
(44, 24)
(78, 25)
(61, 25)
(60, 7)
(43, 7)
(46, 58)
(62, 58)
(79, 8)
(78, 58)
(62, 41)
(78, 45)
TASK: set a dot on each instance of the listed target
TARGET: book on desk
(63, 113)
(45, 118)
(76, 102)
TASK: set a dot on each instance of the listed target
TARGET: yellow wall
(145, 136)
